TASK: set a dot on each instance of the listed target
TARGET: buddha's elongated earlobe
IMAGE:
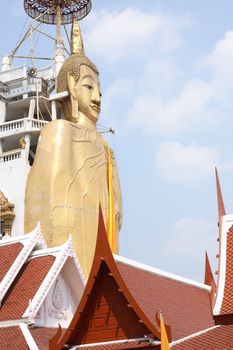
(71, 84)
(74, 109)
(73, 98)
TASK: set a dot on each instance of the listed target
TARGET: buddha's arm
(47, 179)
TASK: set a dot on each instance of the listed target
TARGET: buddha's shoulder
(74, 131)
(57, 126)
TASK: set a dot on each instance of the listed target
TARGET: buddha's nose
(96, 97)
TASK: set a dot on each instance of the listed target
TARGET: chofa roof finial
(221, 206)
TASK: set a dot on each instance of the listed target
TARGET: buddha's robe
(67, 183)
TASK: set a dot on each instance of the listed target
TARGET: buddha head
(80, 77)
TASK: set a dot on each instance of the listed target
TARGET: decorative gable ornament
(7, 215)
(56, 308)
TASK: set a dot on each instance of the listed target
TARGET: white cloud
(190, 109)
(120, 86)
(159, 76)
(191, 163)
(221, 64)
(132, 32)
(185, 246)
(220, 60)
(199, 104)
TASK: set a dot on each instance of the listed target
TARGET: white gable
(62, 299)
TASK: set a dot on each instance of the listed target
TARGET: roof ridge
(17, 239)
(157, 271)
(194, 335)
(123, 341)
(46, 251)
(28, 337)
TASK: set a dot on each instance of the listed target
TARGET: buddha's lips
(96, 108)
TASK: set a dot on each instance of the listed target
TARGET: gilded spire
(76, 39)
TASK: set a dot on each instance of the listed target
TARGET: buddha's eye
(88, 86)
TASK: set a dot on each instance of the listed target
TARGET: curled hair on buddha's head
(72, 66)
(75, 61)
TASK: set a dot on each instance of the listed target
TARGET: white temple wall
(2, 112)
(14, 172)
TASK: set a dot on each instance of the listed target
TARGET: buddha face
(87, 92)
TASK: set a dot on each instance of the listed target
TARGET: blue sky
(167, 81)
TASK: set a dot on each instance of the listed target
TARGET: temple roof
(176, 297)
(25, 287)
(185, 304)
(224, 294)
(8, 254)
(107, 309)
(216, 338)
(42, 335)
(13, 254)
(120, 302)
(12, 338)
(224, 301)
(27, 273)
(227, 303)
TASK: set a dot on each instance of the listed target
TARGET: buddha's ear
(71, 84)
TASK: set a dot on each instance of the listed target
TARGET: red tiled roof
(186, 308)
(11, 338)
(227, 303)
(219, 338)
(107, 309)
(42, 336)
(8, 254)
(25, 287)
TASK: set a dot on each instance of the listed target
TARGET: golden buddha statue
(74, 166)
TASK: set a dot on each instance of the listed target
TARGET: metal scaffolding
(45, 11)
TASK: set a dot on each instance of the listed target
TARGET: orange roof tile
(218, 338)
(25, 287)
(227, 303)
(8, 254)
(107, 310)
(12, 338)
(42, 336)
(186, 308)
